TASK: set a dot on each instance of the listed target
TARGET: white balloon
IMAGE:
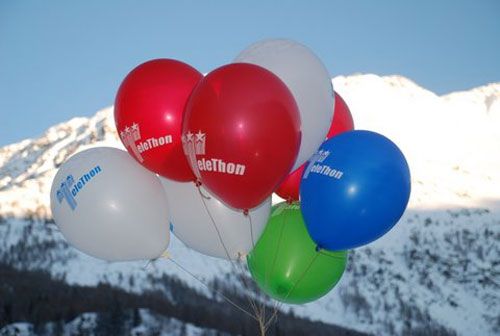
(191, 222)
(108, 206)
(308, 80)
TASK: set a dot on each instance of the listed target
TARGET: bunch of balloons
(204, 155)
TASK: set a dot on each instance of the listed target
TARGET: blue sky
(62, 59)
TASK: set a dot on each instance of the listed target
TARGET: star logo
(129, 136)
(200, 143)
(200, 136)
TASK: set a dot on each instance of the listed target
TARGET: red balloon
(342, 118)
(241, 133)
(149, 109)
(342, 122)
(289, 188)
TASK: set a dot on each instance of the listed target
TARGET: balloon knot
(241, 256)
(197, 183)
(245, 212)
(318, 248)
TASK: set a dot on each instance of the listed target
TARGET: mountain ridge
(104, 132)
(435, 270)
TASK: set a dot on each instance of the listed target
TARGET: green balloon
(286, 264)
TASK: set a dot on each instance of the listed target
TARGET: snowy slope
(88, 324)
(438, 270)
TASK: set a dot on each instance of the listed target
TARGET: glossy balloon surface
(289, 188)
(308, 80)
(354, 190)
(232, 235)
(149, 109)
(342, 119)
(285, 263)
(108, 206)
(241, 133)
(342, 122)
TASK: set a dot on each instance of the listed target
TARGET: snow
(86, 324)
(438, 267)
(17, 329)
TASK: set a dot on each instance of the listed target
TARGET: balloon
(149, 108)
(354, 190)
(285, 263)
(342, 119)
(191, 222)
(108, 206)
(289, 188)
(308, 80)
(342, 122)
(241, 133)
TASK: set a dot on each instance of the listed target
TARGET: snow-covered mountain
(437, 271)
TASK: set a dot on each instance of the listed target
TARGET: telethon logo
(132, 134)
(220, 166)
(70, 188)
(316, 167)
(195, 144)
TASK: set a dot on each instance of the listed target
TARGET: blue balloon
(354, 189)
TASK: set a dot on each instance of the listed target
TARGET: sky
(62, 59)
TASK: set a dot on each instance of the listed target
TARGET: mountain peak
(389, 82)
(432, 273)
(486, 96)
(392, 105)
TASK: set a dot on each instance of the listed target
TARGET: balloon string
(278, 306)
(219, 235)
(145, 267)
(222, 295)
(290, 201)
(261, 312)
(251, 229)
(337, 257)
(275, 258)
(238, 273)
(282, 229)
(198, 185)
